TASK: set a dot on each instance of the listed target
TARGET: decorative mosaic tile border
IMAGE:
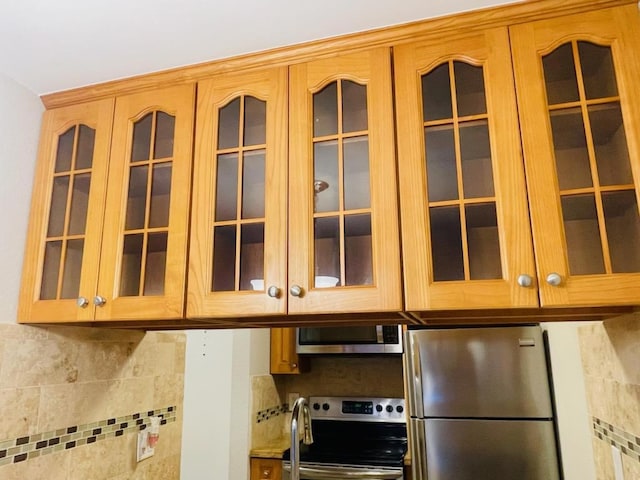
(264, 415)
(33, 446)
(627, 443)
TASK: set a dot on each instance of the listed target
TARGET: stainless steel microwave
(358, 339)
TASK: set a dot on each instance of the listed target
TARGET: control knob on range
(389, 408)
(379, 408)
(316, 406)
(399, 409)
(325, 406)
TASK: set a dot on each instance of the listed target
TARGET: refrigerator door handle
(418, 449)
(416, 404)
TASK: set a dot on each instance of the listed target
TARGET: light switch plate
(617, 463)
(143, 449)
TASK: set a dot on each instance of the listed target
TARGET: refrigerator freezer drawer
(490, 449)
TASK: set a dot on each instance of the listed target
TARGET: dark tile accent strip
(624, 441)
(38, 444)
(271, 412)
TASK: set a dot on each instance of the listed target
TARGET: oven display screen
(357, 407)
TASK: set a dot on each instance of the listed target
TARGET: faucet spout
(307, 436)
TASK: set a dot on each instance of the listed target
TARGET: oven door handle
(338, 473)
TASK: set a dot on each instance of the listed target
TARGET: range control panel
(366, 409)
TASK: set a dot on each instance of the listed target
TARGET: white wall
(20, 115)
(571, 402)
(216, 435)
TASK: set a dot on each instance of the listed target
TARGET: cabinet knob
(294, 365)
(273, 291)
(82, 302)
(525, 280)
(99, 301)
(554, 279)
(296, 290)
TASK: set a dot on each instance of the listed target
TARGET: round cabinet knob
(554, 279)
(525, 280)
(99, 301)
(82, 302)
(273, 291)
(296, 290)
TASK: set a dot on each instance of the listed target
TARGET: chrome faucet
(307, 436)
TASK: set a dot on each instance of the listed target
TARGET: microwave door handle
(379, 334)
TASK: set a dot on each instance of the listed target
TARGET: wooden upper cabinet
(238, 232)
(284, 358)
(144, 251)
(579, 103)
(343, 248)
(62, 253)
(465, 225)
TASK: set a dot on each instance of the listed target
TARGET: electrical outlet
(143, 448)
(292, 399)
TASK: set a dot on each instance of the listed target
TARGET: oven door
(330, 471)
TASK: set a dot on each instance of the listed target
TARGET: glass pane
(356, 173)
(72, 269)
(354, 106)
(229, 125)
(623, 230)
(86, 141)
(160, 195)
(610, 142)
(137, 197)
(442, 178)
(156, 262)
(165, 132)
(597, 71)
(570, 144)
(141, 139)
(50, 270)
(446, 244)
(325, 111)
(253, 200)
(560, 75)
(65, 150)
(227, 187)
(79, 204)
(58, 206)
(251, 255)
(131, 265)
(327, 251)
(436, 94)
(325, 168)
(483, 241)
(469, 89)
(475, 153)
(224, 258)
(358, 263)
(582, 232)
(255, 121)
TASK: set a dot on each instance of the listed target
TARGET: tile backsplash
(63, 383)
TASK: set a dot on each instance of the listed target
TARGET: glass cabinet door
(145, 237)
(583, 165)
(343, 240)
(61, 259)
(238, 242)
(466, 242)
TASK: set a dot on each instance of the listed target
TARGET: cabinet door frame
(491, 50)
(178, 101)
(270, 86)
(618, 28)
(372, 68)
(97, 115)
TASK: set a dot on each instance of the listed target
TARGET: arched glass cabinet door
(63, 245)
(238, 241)
(343, 231)
(146, 220)
(466, 241)
(581, 151)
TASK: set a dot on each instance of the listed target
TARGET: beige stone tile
(55, 466)
(87, 334)
(18, 412)
(30, 362)
(180, 356)
(168, 390)
(23, 332)
(67, 405)
(602, 459)
(104, 361)
(101, 460)
(153, 358)
(623, 334)
(130, 395)
(631, 468)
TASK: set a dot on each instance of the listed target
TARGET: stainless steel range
(354, 438)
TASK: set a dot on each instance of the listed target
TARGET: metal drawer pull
(336, 473)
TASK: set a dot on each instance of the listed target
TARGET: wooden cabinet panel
(471, 143)
(579, 120)
(266, 469)
(284, 358)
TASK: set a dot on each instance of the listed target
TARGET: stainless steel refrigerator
(480, 404)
